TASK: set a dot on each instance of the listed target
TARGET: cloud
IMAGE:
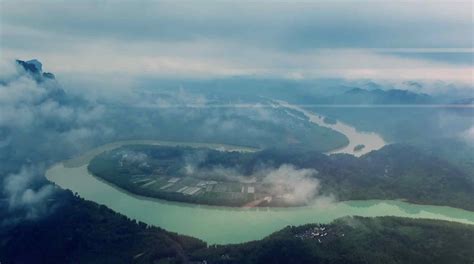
(176, 98)
(293, 185)
(202, 58)
(219, 39)
(39, 124)
(139, 159)
(192, 167)
(300, 185)
(468, 135)
(296, 25)
(41, 108)
(24, 198)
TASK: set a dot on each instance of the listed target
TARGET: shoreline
(227, 225)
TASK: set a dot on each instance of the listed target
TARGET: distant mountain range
(378, 96)
(464, 101)
(370, 94)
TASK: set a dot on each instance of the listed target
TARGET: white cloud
(219, 39)
(38, 124)
(24, 197)
(211, 59)
(301, 185)
(468, 135)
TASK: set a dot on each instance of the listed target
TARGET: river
(370, 140)
(224, 225)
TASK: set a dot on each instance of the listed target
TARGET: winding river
(224, 225)
(370, 140)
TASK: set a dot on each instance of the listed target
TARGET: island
(359, 147)
(201, 175)
(192, 175)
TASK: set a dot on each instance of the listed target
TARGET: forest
(397, 171)
(79, 231)
(354, 240)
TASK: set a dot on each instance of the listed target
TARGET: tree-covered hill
(83, 232)
(80, 231)
(355, 240)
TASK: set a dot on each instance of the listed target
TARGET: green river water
(224, 225)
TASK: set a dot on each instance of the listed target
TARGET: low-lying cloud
(468, 135)
(28, 201)
(301, 185)
(135, 158)
(39, 124)
(293, 185)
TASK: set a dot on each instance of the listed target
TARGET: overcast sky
(429, 40)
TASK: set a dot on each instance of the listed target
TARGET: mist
(291, 184)
(300, 185)
(39, 124)
(27, 200)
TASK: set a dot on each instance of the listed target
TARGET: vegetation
(79, 231)
(403, 124)
(395, 172)
(356, 240)
(161, 172)
(359, 147)
(396, 123)
(264, 128)
(456, 152)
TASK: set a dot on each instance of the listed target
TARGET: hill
(84, 232)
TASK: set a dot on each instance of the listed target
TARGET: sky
(349, 39)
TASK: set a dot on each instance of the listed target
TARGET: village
(320, 233)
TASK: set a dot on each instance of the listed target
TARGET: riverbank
(371, 141)
(87, 233)
(225, 178)
(223, 225)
